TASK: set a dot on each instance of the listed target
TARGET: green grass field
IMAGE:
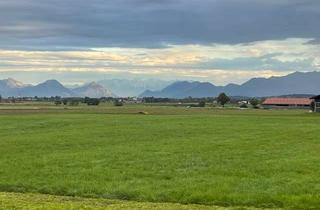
(207, 156)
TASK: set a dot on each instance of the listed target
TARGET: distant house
(243, 102)
(277, 102)
(315, 104)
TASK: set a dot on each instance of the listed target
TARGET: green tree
(57, 102)
(202, 104)
(254, 102)
(65, 102)
(223, 99)
(313, 106)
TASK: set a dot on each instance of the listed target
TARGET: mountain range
(12, 88)
(295, 83)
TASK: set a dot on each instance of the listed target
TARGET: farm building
(276, 102)
(315, 104)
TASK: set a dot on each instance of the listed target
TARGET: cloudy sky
(220, 41)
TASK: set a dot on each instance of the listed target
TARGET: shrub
(202, 104)
(57, 103)
(143, 113)
(92, 101)
(74, 103)
(244, 106)
(118, 103)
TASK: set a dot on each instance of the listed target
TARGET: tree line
(222, 100)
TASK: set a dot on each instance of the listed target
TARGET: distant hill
(133, 87)
(183, 89)
(48, 88)
(12, 88)
(295, 83)
(11, 83)
(93, 90)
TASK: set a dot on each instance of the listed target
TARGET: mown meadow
(207, 156)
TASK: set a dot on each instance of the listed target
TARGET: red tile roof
(287, 101)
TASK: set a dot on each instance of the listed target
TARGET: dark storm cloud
(47, 24)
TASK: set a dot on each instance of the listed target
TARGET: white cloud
(177, 61)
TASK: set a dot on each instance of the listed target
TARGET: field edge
(13, 200)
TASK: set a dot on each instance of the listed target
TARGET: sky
(220, 41)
